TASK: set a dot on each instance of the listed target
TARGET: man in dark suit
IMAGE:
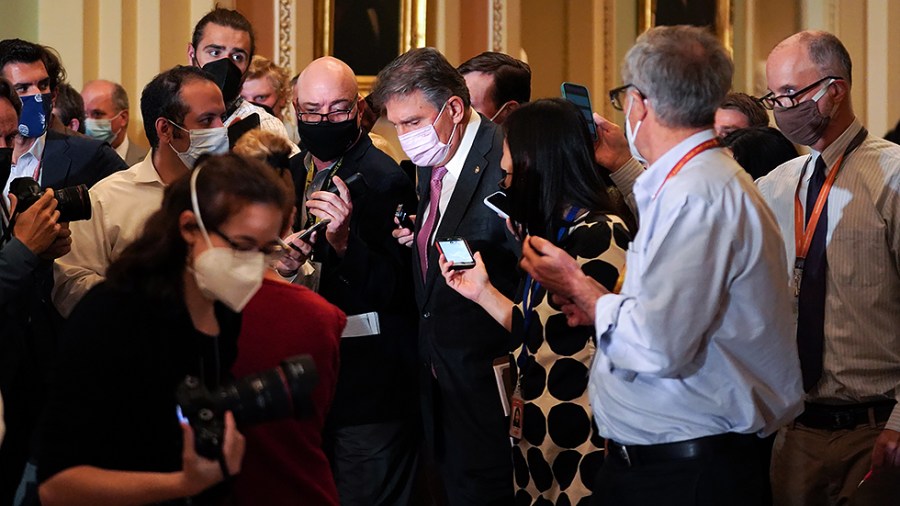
(28, 324)
(371, 435)
(458, 153)
(54, 160)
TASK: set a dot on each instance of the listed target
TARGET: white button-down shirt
(699, 341)
(27, 164)
(120, 205)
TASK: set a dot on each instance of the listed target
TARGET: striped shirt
(266, 121)
(862, 302)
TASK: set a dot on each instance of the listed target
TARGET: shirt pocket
(859, 256)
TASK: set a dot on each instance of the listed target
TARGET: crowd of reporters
(257, 309)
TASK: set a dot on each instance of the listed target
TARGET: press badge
(516, 415)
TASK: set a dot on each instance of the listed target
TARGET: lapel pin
(477, 169)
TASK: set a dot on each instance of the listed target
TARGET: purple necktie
(437, 184)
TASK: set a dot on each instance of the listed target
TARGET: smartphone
(403, 217)
(355, 183)
(309, 232)
(499, 203)
(180, 415)
(456, 250)
(578, 95)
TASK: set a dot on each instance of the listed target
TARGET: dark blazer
(377, 375)
(462, 411)
(70, 160)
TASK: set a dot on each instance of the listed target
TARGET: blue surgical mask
(101, 129)
(35, 115)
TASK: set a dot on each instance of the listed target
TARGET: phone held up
(499, 203)
(456, 250)
(403, 218)
(578, 95)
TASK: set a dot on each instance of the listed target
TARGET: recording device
(403, 218)
(278, 393)
(578, 95)
(355, 183)
(499, 203)
(309, 231)
(456, 250)
(73, 203)
(240, 127)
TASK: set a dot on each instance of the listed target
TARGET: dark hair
(154, 263)
(894, 134)
(748, 106)
(161, 98)
(70, 105)
(424, 69)
(512, 77)
(553, 166)
(22, 51)
(760, 149)
(7, 92)
(224, 17)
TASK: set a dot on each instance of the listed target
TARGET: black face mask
(227, 77)
(327, 141)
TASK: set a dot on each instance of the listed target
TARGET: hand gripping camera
(275, 394)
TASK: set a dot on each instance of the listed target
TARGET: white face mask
(225, 274)
(632, 135)
(423, 146)
(212, 141)
(101, 129)
(494, 117)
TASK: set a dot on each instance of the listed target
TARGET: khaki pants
(817, 467)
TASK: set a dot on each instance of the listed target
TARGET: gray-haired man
(695, 357)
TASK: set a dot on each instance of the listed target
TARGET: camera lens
(74, 203)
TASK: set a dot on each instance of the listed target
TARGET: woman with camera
(168, 309)
(555, 192)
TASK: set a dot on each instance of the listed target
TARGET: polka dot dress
(558, 457)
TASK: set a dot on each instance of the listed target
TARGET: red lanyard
(703, 146)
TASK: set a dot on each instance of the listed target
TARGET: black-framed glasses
(770, 101)
(502, 183)
(314, 118)
(270, 250)
(617, 96)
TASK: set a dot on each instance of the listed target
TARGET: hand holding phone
(578, 95)
(309, 232)
(355, 183)
(456, 250)
(499, 203)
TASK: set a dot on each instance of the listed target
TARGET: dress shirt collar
(455, 165)
(122, 150)
(650, 181)
(145, 171)
(835, 150)
(37, 149)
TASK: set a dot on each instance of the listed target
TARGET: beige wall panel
(19, 20)
(61, 26)
(544, 41)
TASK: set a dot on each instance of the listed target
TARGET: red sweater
(284, 462)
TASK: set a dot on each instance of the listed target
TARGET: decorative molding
(286, 22)
(610, 74)
(497, 35)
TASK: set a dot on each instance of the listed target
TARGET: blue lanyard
(529, 296)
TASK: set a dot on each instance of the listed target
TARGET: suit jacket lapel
(423, 192)
(468, 181)
(55, 162)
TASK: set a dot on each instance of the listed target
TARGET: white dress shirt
(27, 164)
(120, 205)
(266, 121)
(122, 150)
(455, 166)
(699, 342)
(862, 295)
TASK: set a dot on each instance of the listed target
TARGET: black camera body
(275, 394)
(73, 203)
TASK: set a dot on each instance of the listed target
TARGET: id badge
(516, 414)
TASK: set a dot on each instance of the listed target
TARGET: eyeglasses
(502, 183)
(271, 251)
(771, 101)
(314, 118)
(617, 96)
